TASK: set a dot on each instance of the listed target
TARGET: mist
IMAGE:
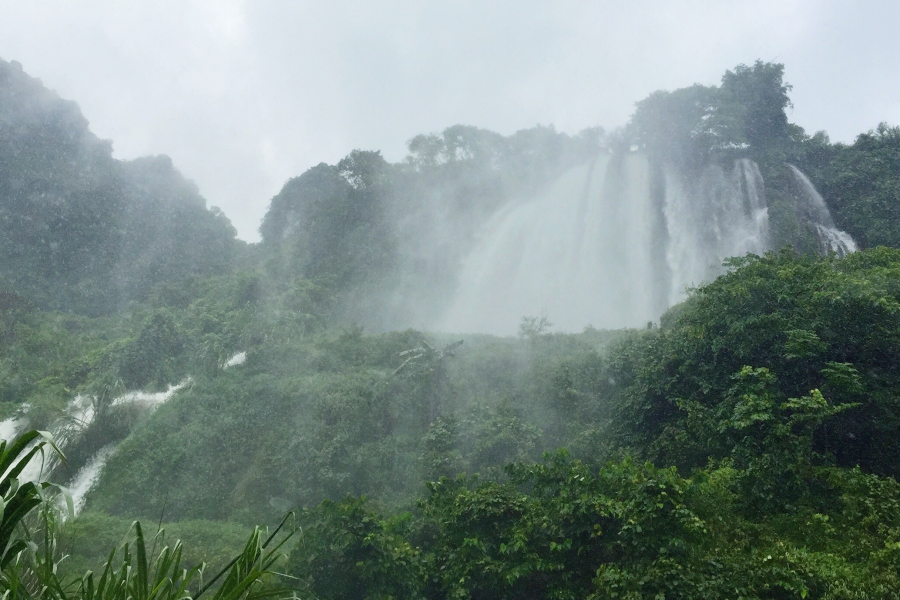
(243, 96)
(449, 301)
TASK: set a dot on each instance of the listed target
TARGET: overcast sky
(244, 95)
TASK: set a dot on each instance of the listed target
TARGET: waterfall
(79, 414)
(238, 359)
(579, 252)
(603, 246)
(151, 399)
(812, 209)
(84, 480)
(716, 216)
(10, 428)
(86, 477)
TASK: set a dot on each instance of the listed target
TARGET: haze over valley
(653, 357)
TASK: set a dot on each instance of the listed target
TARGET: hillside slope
(80, 230)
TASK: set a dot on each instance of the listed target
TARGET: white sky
(244, 95)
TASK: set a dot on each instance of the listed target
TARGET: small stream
(80, 414)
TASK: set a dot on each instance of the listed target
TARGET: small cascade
(150, 399)
(85, 478)
(812, 209)
(79, 414)
(81, 484)
(40, 466)
(237, 359)
(716, 216)
(11, 427)
(835, 240)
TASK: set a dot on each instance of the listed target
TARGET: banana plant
(140, 577)
(28, 570)
(18, 498)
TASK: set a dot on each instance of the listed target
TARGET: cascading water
(238, 359)
(579, 252)
(81, 484)
(812, 209)
(85, 478)
(11, 427)
(603, 246)
(711, 218)
(80, 414)
(150, 399)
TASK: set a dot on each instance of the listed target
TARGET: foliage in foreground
(30, 560)
(562, 529)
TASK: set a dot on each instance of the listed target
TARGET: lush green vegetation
(765, 408)
(31, 561)
(745, 447)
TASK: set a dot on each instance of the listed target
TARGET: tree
(818, 323)
(351, 553)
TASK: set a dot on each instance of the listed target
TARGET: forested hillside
(388, 239)
(740, 444)
(81, 231)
